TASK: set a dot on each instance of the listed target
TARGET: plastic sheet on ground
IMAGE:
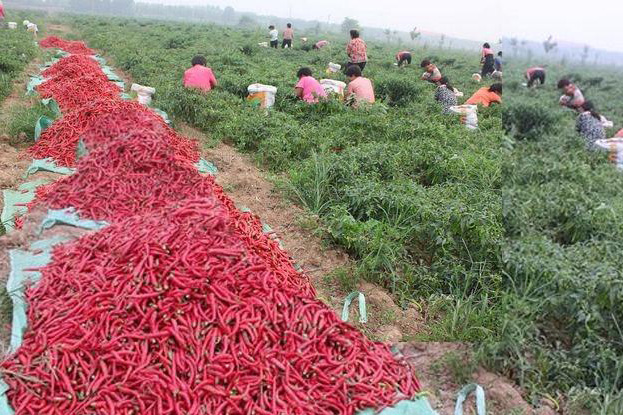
(69, 217)
(33, 83)
(46, 164)
(163, 114)
(112, 76)
(206, 167)
(15, 202)
(419, 406)
(40, 126)
(52, 105)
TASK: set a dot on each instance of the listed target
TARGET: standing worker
(308, 88)
(589, 124)
(288, 36)
(1, 12)
(535, 74)
(356, 50)
(445, 95)
(199, 76)
(403, 58)
(487, 60)
(432, 74)
(486, 96)
(498, 62)
(359, 89)
(274, 37)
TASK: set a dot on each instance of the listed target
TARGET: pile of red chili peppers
(182, 305)
(69, 46)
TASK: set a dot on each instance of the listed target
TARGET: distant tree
(317, 29)
(585, 53)
(388, 34)
(549, 44)
(414, 34)
(349, 24)
(442, 40)
(229, 14)
(246, 21)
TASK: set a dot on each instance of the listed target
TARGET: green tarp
(69, 217)
(15, 202)
(419, 406)
(46, 164)
(33, 83)
(51, 104)
(206, 167)
(42, 124)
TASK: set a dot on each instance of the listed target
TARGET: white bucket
(496, 76)
(12, 25)
(263, 44)
(143, 93)
(333, 67)
(303, 39)
(476, 77)
(263, 94)
(468, 113)
(331, 86)
(457, 93)
(614, 146)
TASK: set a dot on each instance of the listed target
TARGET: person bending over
(535, 74)
(572, 95)
(199, 76)
(308, 88)
(445, 95)
(403, 58)
(486, 96)
(589, 124)
(432, 74)
(359, 89)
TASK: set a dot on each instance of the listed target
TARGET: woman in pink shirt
(199, 76)
(308, 88)
(321, 44)
(357, 50)
(360, 89)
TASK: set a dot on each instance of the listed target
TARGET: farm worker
(589, 124)
(445, 95)
(274, 36)
(403, 58)
(321, 44)
(1, 11)
(199, 76)
(308, 88)
(487, 60)
(620, 133)
(498, 62)
(288, 36)
(486, 96)
(359, 88)
(573, 97)
(432, 74)
(356, 50)
(32, 28)
(535, 74)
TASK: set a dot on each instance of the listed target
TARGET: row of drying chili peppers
(183, 305)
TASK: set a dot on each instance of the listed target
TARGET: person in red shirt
(486, 96)
(535, 74)
(1, 11)
(199, 76)
(487, 60)
(403, 58)
(356, 50)
(359, 89)
(288, 35)
(321, 44)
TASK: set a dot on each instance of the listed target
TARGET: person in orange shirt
(359, 89)
(486, 96)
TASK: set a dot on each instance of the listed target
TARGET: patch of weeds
(458, 367)
(21, 122)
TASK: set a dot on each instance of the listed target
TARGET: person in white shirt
(274, 37)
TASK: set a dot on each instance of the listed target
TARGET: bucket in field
(457, 93)
(263, 95)
(333, 67)
(331, 86)
(12, 25)
(476, 77)
(143, 93)
(469, 115)
(496, 76)
(263, 44)
(614, 147)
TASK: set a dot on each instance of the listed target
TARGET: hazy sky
(597, 23)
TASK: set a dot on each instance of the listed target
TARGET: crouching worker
(308, 88)
(320, 44)
(199, 76)
(486, 96)
(589, 124)
(359, 88)
(445, 95)
(535, 74)
(573, 97)
(432, 74)
(403, 58)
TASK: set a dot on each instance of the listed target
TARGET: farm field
(504, 238)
